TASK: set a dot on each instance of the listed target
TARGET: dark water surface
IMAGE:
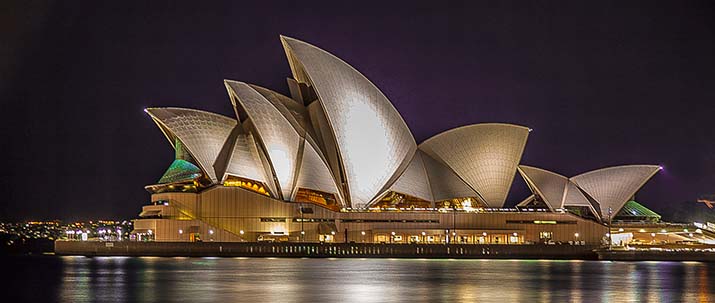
(150, 279)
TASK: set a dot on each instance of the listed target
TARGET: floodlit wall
(235, 210)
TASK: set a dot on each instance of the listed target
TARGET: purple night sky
(600, 85)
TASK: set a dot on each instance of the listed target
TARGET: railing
(252, 249)
(445, 210)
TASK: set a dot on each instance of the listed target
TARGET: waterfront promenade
(324, 250)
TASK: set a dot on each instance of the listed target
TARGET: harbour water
(154, 279)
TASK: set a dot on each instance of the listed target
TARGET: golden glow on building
(460, 203)
(324, 199)
(398, 200)
(251, 185)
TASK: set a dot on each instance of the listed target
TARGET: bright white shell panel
(483, 155)
(445, 184)
(614, 186)
(292, 111)
(372, 138)
(549, 185)
(244, 160)
(314, 174)
(202, 133)
(279, 139)
(413, 180)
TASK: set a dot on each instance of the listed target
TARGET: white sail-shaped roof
(612, 187)
(275, 133)
(372, 139)
(574, 197)
(414, 181)
(483, 155)
(244, 160)
(548, 185)
(444, 183)
(292, 111)
(203, 133)
(314, 174)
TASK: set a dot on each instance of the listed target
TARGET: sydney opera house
(335, 162)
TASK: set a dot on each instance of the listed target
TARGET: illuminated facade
(336, 162)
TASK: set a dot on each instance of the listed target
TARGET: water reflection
(79, 279)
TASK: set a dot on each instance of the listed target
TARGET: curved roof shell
(373, 142)
(275, 133)
(612, 187)
(575, 197)
(180, 171)
(444, 183)
(414, 181)
(548, 185)
(314, 174)
(244, 160)
(485, 156)
(202, 133)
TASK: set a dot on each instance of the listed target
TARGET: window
(539, 222)
(282, 220)
(312, 220)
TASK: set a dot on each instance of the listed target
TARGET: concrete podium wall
(347, 250)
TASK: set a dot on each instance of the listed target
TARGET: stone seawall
(642, 255)
(318, 250)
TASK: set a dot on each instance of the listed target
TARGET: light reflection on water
(79, 279)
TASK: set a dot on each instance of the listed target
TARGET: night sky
(600, 84)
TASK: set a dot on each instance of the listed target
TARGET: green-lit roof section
(633, 209)
(180, 170)
(180, 151)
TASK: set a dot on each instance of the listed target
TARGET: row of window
(539, 222)
(388, 221)
(283, 220)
